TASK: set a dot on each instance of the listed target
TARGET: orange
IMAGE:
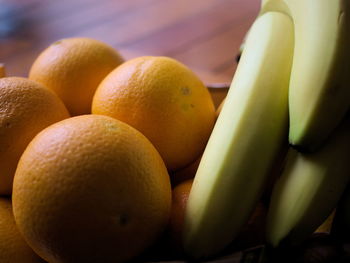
(13, 247)
(164, 100)
(218, 110)
(185, 173)
(180, 196)
(91, 189)
(73, 68)
(169, 246)
(253, 231)
(26, 108)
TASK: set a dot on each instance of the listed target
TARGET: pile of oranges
(95, 151)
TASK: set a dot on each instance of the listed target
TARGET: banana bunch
(291, 84)
(309, 189)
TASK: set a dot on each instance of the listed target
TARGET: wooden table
(203, 34)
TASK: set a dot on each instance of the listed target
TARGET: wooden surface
(203, 34)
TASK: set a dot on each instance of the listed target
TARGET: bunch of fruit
(291, 84)
(88, 142)
(95, 150)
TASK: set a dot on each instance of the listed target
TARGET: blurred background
(203, 34)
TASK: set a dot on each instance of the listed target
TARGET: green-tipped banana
(248, 135)
(309, 189)
(319, 92)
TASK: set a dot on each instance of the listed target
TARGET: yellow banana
(309, 189)
(319, 93)
(246, 139)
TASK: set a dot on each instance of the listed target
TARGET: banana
(241, 47)
(319, 95)
(245, 141)
(326, 226)
(309, 188)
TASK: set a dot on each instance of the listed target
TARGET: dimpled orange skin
(164, 100)
(26, 107)
(91, 189)
(180, 196)
(13, 248)
(186, 173)
(73, 68)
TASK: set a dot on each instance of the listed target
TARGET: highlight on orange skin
(179, 200)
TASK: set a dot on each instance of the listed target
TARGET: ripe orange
(13, 248)
(26, 108)
(218, 110)
(185, 173)
(91, 189)
(179, 200)
(73, 68)
(164, 100)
